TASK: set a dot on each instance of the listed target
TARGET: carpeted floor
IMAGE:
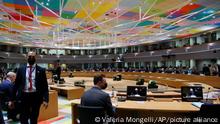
(64, 116)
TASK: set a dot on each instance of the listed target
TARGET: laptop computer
(191, 93)
(137, 93)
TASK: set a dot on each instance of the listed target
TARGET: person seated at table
(191, 93)
(96, 97)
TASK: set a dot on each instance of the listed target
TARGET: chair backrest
(90, 114)
(210, 110)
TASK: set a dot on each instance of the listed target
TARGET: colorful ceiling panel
(91, 24)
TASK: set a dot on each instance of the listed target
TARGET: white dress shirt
(33, 75)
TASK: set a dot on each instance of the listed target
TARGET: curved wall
(204, 51)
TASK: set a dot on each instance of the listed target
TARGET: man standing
(96, 97)
(32, 87)
(58, 72)
(6, 87)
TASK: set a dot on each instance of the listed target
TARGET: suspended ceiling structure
(97, 24)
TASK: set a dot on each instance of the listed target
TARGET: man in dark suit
(96, 97)
(58, 71)
(205, 70)
(6, 87)
(32, 87)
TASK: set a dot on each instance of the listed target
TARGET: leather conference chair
(90, 114)
(210, 110)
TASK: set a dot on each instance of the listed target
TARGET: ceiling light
(211, 44)
(135, 54)
(188, 47)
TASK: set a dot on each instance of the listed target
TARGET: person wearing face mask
(96, 97)
(32, 87)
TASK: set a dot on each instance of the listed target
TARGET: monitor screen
(138, 93)
(191, 93)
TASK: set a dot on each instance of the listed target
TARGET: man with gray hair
(6, 88)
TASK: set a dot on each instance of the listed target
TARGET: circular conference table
(152, 108)
(171, 80)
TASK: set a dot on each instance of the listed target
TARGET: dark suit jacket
(96, 97)
(40, 83)
(6, 87)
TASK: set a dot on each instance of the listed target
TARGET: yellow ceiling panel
(103, 8)
(53, 20)
(13, 25)
(194, 30)
(82, 13)
(96, 9)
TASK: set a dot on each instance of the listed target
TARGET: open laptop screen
(138, 93)
(191, 93)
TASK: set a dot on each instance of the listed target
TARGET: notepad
(197, 104)
(140, 102)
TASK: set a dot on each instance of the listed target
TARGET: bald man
(6, 88)
(32, 87)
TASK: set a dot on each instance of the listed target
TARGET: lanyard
(31, 70)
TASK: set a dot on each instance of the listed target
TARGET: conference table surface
(156, 94)
(146, 109)
(71, 92)
(153, 105)
(172, 80)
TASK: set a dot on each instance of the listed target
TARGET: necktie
(30, 78)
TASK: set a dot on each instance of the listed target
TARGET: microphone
(207, 94)
(113, 91)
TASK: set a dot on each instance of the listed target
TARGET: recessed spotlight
(188, 48)
(211, 44)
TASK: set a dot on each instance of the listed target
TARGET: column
(178, 63)
(83, 66)
(192, 63)
(82, 52)
(218, 35)
(159, 64)
(218, 61)
(151, 66)
(178, 43)
(21, 49)
(8, 65)
(126, 65)
(191, 41)
(115, 50)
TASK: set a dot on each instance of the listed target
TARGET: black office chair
(210, 110)
(90, 114)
